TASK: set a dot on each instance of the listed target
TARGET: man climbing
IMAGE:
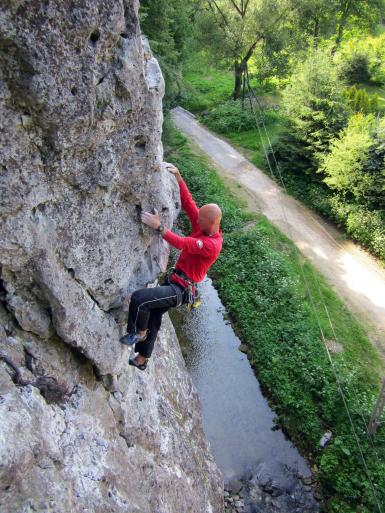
(198, 252)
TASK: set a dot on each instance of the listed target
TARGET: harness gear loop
(193, 298)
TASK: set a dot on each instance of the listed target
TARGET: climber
(198, 252)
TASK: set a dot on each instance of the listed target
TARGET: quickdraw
(194, 299)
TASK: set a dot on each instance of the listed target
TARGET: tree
(234, 29)
(169, 26)
(316, 20)
(316, 112)
(355, 165)
(363, 13)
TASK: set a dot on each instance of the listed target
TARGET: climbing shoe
(142, 367)
(132, 338)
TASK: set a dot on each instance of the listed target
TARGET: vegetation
(235, 31)
(277, 303)
(168, 24)
(315, 111)
(308, 124)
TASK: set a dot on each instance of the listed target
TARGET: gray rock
(81, 121)
(326, 439)
(235, 486)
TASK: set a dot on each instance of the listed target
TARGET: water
(237, 419)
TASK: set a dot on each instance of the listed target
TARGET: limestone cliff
(81, 153)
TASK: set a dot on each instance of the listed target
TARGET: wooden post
(377, 412)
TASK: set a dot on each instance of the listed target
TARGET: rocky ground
(256, 494)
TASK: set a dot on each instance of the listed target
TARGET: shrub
(361, 59)
(355, 163)
(230, 116)
(359, 100)
(316, 111)
(344, 165)
(354, 69)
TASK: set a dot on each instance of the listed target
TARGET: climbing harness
(193, 297)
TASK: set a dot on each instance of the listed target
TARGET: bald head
(209, 218)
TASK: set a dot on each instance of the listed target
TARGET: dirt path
(355, 275)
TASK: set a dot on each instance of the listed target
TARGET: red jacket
(198, 251)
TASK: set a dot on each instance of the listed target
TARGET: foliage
(259, 277)
(230, 116)
(357, 14)
(354, 69)
(234, 31)
(355, 164)
(360, 101)
(316, 111)
(168, 24)
(344, 164)
(362, 59)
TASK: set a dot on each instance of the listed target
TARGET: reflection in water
(237, 419)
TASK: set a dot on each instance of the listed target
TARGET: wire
(338, 382)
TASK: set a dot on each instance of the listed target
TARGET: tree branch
(220, 12)
(252, 47)
(237, 8)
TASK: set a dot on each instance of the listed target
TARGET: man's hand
(173, 170)
(151, 220)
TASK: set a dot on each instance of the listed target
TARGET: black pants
(146, 309)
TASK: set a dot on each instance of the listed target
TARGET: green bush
(367, 227)
(362, 59)
(344, 165)
(355, 68)
(359, 100)
(316, 111)
(354, 165)
(230, 117)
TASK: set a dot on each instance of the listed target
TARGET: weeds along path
(355, 275)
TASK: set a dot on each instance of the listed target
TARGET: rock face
(81, 153)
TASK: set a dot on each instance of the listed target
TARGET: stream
(262, 469)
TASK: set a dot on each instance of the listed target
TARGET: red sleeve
(188, 203)
(204, 247)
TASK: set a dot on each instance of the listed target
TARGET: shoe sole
(140, 367)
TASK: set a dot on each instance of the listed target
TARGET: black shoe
(142, 366)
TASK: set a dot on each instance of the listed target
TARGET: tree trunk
(238, 74)
(315, 34)
(341, 26)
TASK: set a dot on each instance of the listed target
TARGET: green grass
(206, 85)
(259, 276)
(254, 142)
(209, 89)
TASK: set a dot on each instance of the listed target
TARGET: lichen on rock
(81, 121)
